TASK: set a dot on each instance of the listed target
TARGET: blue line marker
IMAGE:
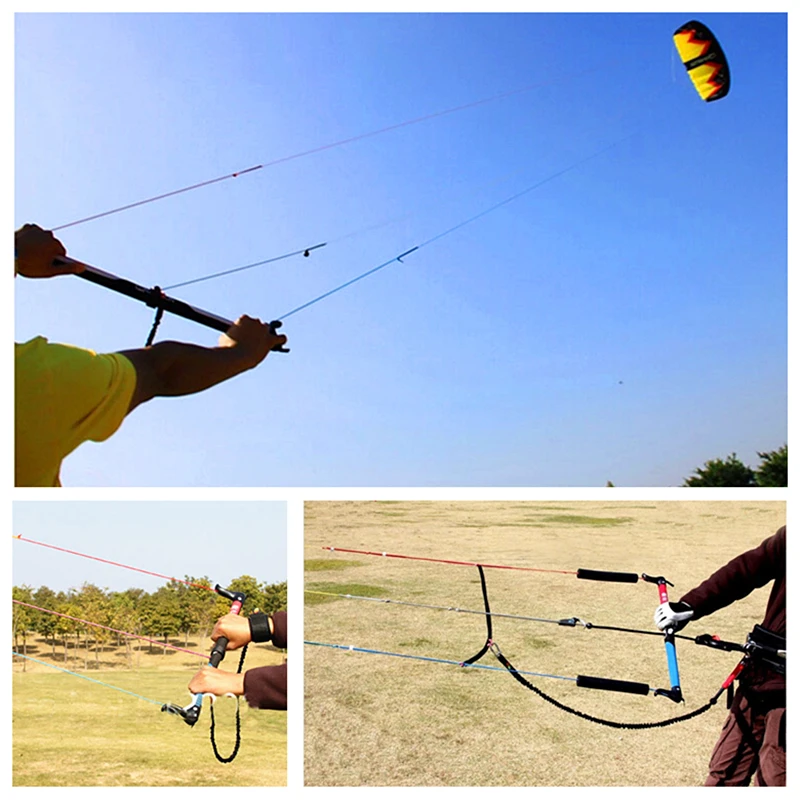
(436, 660)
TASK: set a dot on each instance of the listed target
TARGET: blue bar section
(672, 663)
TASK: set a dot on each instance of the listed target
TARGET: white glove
(673, 615)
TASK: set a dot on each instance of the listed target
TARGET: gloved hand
(673, 615)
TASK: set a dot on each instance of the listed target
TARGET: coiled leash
(238, 742)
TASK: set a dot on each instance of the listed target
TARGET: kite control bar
(155, 298)
(191, 713)
(674, 692)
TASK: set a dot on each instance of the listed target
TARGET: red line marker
(450, 561)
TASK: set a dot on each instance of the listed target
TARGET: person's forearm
(739, 577)
(176, 368)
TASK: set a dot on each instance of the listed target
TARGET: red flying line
(449, 561)
(114, 563)
(105, 627)
(323, 147)
(157, 197)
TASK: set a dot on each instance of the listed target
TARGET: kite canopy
(704, 60)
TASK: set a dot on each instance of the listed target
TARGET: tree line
(773, 470)
(174, 611)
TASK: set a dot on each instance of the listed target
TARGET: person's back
(64, 396)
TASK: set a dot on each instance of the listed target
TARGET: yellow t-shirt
(63, 397)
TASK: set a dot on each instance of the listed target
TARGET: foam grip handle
(611, 685)
(602, 575)
(218, 652)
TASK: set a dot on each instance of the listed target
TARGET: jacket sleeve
(279, 629)
(739, 577)
(265, 687)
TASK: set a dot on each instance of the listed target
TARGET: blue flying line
(93, 680)
(458, 226)
(437, 660)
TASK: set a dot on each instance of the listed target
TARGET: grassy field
(71, 732)
(376, 720)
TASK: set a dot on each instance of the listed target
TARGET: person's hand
(217, 682)
(235, 628)
(673, 615)
(252, 338)
(36, 251)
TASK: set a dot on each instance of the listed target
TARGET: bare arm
(170, 369)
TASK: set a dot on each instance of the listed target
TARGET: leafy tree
(124, 616)
(68, 604)
(730, 472)
(23, 619)
(46, 624)
(95, 605)
(274, 597)
(170, 610)
(774, 468)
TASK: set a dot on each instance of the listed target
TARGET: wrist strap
(259, 628)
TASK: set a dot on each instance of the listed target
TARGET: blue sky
(219, 540)
(624, 321)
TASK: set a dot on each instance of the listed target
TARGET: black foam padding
(603, 575)
(610, 685)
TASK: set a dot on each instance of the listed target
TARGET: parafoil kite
(704, 60)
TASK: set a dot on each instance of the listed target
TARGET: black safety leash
(237, 744)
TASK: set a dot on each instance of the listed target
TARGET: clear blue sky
(625, 321)
(219, 540)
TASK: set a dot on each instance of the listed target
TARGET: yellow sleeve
(63, 397)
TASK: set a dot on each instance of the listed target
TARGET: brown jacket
(739, 577)
(265, 687)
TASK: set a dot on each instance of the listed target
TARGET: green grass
(545, 520)
(362, 589)
(579, 519)
(69, 732)
(324, 564)
(416, 643)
